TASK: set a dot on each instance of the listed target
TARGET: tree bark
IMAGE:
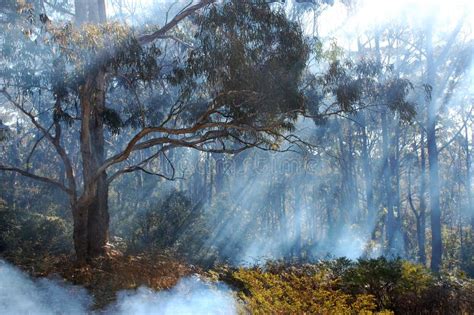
(369, 193)
(80, 7)
(434, 189)
(91, 213)
(436, 250)
(80, 218)
(98, 221)
(422, 213)
(388, 191)
(468, 177)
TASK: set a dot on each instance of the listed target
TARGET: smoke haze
(20, 294)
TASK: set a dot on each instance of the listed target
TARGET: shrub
(31, 234)
(297, 290)
(378, 277)
(174, 225)
(342, 286)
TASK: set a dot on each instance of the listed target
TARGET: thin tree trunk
(369, 193)
(219, 159)
(388, 193)
(436, 241)
(80, 7)
(422, 212)
(468, 177)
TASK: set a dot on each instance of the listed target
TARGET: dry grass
(106, 276)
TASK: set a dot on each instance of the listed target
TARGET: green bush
(31, 234)
(174, 225)
(378, 277)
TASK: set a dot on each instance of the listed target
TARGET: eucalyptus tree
(85, 84)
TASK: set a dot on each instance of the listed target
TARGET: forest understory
(339, 286)
(236, 157)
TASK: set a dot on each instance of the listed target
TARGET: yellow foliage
(415, 278)
(80, 45)
(298, 293)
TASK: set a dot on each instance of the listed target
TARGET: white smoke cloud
(190, 296)
(19, 294)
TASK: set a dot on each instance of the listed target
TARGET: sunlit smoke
(20, 294)
(341, 21)
(190, 296)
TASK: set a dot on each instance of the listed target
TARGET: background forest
(257, 134)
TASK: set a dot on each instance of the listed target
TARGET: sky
(337, 21)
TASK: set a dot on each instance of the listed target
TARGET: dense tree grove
(234, 131)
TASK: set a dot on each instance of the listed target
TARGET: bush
(409, 288)
(291, 290)
(173, 225)
(342, 286)
(378, 277)
(31, 234)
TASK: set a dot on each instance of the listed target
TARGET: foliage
(240, 48)
(349, 287)
(374, 276)
(298, 291)
(356, 85)
(28, 234)
(249, 60)
(174, 225)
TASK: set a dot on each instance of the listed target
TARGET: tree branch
(55, 141)
(36, 177)
(148, 38)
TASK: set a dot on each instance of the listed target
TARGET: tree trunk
(91, 214)
(422, 213)
(98, 220)
(219, 160)
(80, 7)
(369, 193)
(80, 218)
(388, 191)
(436, 250)
(90, 11)
(434, 189)
(395, 172)
(468, 177)
(298, 216)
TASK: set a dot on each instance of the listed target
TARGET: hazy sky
(336, 20)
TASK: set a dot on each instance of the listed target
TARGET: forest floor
(107, 276)
(341, 286)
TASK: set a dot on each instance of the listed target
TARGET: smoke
(345, 22)
(19, 294)
(190, 296)
(275, 206)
